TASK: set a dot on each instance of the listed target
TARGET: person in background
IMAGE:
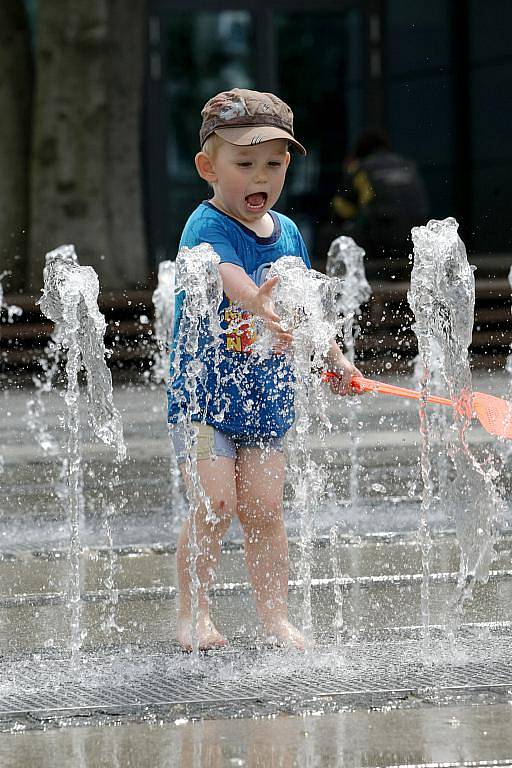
(380, 198)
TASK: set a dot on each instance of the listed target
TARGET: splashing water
(198, 281)
(163, 302)
(7, 314)
(12, 311)
(509, 358)
(36, 408)
(305, 300)
(442, 298)
(346, 259)
(69, 298)
(506, 446)
(439, 424)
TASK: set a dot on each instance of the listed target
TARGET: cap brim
(245, 136)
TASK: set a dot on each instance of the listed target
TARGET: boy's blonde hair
(211, 145)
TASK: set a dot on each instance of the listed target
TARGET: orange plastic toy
(493, 413)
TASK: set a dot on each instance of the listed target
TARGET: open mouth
(256, 201)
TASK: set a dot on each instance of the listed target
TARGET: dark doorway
(311, 55)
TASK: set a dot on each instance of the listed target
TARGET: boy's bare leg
(260, 482)
(218, 482)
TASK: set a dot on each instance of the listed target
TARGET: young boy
(244, 156)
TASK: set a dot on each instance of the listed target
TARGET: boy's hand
(239, 287)
(264, 307)
(344, 370)
(340, 384)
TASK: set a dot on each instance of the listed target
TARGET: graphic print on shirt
(241, 330)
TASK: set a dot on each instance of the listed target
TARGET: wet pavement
(370, 694)
(434, 737)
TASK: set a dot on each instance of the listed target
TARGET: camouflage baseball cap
(246, 117)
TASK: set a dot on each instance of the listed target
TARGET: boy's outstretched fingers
(284, 337)
(338, 384)
(264, 304)
(269, 283)
(272, 320)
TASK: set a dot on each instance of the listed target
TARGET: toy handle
(357, 383)
(360, 384)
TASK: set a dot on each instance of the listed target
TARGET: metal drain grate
(241, 682)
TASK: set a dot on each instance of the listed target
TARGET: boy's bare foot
(283, 632)
(208, 635)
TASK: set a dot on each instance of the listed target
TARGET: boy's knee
(260, 519)
(220, 512)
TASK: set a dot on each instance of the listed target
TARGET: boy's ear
(205, 167)
(288, 157)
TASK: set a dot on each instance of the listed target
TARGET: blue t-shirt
(242, 393)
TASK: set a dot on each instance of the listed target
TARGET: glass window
(31, 10)
(421, 127)
(418, 36)
(421, 94)
(490, 118)
(421, 117)
(491, 22)
(492, 220)
(327, 109)
(491, 110)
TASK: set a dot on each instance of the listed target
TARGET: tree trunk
(127, 239)
(86, 179)
(15, 99)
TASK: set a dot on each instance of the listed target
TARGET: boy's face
(249, 180)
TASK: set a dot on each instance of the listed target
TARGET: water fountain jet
(442, 297)
(345, 259)
(306, 302)
(199, 285)
(69, 299)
